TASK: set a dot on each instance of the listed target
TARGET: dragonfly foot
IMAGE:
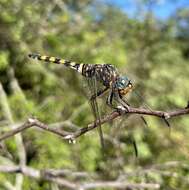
(121, 110)
(72, 141)
(70, 138)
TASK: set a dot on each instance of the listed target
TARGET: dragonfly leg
(109, 99)
(121, 101)
(125, 101)
(142, 117)
(99, 93)
(120, 109)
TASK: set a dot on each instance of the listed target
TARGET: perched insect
(106, 74)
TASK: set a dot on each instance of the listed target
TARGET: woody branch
(62, 176)
(71, 136)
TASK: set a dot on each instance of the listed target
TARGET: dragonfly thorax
(124, 85)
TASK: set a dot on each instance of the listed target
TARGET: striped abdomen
(105, 73)
(76, 66)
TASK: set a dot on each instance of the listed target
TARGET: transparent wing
(93, 87)
(145, 105)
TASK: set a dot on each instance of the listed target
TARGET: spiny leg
(142, 117)
(109, 102)
(123, 102)
(115, 95)
(99, 93)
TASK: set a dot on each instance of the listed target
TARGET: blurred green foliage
(152, 52)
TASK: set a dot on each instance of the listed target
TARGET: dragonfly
(107, 75)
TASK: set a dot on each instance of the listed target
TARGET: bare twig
(37, 174)
(56, 176)
(117, 184)
(115, 114)
(71, 136)
(28, 124)
(13, 132)
(163, 169)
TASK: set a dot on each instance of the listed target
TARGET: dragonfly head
(124, 85)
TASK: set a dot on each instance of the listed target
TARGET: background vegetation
(153, 52)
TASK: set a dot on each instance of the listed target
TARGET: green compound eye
(123, 82)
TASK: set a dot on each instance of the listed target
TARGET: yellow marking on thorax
(44, 57)
(125, 91)
(52, 59)
(80, 68)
